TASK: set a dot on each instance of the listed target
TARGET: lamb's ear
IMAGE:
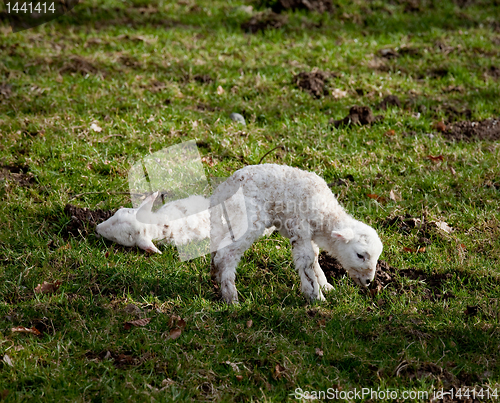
(345, 234)
(148, 246)
(143, 213)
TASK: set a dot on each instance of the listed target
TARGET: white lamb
(301, 206)
(179, 222)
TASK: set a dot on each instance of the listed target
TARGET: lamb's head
(358, 247)
(126, 229)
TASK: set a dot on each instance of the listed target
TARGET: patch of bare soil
(314, 82)
(488, 129)
(17, 174)
(389, 100)
(358, 115)
(77, 64)
(129, 61)
(264, 20)
(82, 218)
(321, 6)
(387, 275)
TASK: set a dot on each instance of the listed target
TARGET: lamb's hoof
(317, 298)
(327, 287)
(229, 292)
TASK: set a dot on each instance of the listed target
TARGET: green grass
(384, 341)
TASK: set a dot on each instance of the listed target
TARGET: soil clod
(488, 129)
(314, 82)
(17, 174)
(389, 100)
(358, 115)
(320, 6)
(264, 20)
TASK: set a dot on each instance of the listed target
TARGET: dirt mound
(17, 174)
(334, 270)
(321, 6)
(82, 218)
(488, 129)
(264, 20)
(387, 275)
(358, 115)
(314, 82)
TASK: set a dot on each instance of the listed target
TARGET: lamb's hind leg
(320, 274)
(304, 257)
(225, 261)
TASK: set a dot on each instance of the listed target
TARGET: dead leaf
(239, 378)
(319, 352)
(378, 198)
(64, 247)
(453, 172)
(408, 249)
(208, 160)
(390, 133)
(7, 360)
(174, 334)
(435, 158)
(220, 90)
(132, 309)
(233, 365)
(138, 322)
(278, 371)
(95, 127)
(181, 323)
(440, 126)
(443, 226)
(338, 93)
(375, 291)
(249, 323)
(167, 382)
(48, 288)
(394, 196)
(22, 329)
(421, 250)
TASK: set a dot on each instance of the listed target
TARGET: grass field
(152, 74)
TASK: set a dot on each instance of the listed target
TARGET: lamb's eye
(360, 256)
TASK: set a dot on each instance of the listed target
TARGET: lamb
(301, 207)
(180, 222)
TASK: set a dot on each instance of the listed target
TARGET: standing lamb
(301, 207)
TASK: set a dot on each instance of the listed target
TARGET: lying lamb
(302, 207)
(180, 222)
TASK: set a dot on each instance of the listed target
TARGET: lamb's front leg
(320, 274)
(223, 271)
(304, 257)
